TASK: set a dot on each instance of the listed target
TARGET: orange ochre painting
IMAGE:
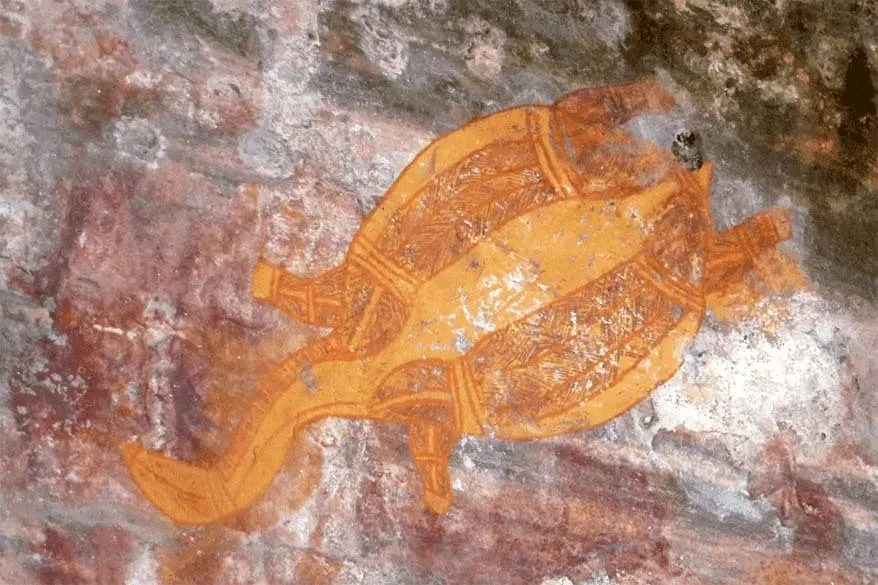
(534, 273)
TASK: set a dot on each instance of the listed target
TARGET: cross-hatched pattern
(608, 160)
(555, 359)
(682, 225)
(458, 208)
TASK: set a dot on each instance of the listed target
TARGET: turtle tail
(186, 493)
(192, 494)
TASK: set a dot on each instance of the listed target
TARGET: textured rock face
(152, 150)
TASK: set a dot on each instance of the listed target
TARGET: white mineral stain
(480, 322)
(144, 569)
(754, 381)
(462, 343)
(723, 501)
(516, 294)
(138, 140)
(600, 578)
(609, 19)
(556, 581)
(160, 319)
(108, 329)
(346, 466)
(388, 3)
(514, 280)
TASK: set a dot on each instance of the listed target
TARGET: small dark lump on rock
(687, 149)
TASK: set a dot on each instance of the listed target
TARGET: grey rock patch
(860, 544)
(610, 21)
(383, 45)
(236, 31)
(485, 53)
(722, 502)
(137, 139)
(267, 153)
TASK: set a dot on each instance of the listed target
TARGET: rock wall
(151, 150)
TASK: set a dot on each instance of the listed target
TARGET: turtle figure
(535, 272)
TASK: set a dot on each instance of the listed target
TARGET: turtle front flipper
(191, 494)
(318, 301)
(616, 104)
(732, 254)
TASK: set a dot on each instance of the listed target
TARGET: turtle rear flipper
(318, 301)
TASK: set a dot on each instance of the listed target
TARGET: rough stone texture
(151, 150)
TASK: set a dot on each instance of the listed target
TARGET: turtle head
(687, 149)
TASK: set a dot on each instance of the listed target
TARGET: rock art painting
(534, 273)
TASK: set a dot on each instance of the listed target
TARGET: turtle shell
(568, 314)
(547, 251)
(592, 351)
(475, 179)
(533, 273)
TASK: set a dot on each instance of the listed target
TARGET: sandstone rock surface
(151, 150)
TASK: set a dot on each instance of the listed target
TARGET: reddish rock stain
(229, 106)
(91, 102)
(10, 27)
(593, 517)
(800, 571)
(818, 520)
(58, 555)
(125, 237)
(197, 558)
(12, 14)
(801, 503)
(75, 363)
(93, 84)
(375, 521)
(111, 553)
(74, 555)
(314, 569)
